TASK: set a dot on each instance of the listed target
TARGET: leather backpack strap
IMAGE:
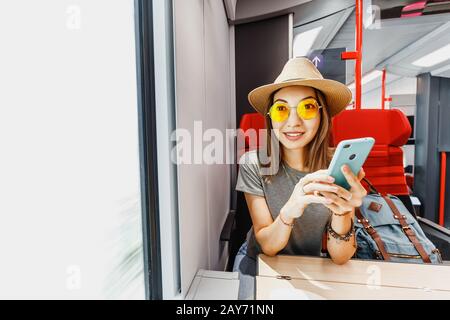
(373, 234)
(407, 230)
(324, 242)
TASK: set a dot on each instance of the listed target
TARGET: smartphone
(353, 153)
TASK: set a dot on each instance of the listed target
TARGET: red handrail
(357, 54)
(442, 191)
(383, 90)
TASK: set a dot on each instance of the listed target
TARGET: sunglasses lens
(279, 112)
(308, 109)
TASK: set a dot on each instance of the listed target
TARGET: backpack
(386, 230)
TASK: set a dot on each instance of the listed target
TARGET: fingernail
(329, 201)
(331, 179)
(344, 168)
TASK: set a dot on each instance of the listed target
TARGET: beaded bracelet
(337, 236)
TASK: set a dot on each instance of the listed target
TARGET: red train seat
(242, 220)
(249, 121)
(391, 130)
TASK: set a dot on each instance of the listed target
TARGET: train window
(70, 170)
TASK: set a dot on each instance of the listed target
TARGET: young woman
(292, 201)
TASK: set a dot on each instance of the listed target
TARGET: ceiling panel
(391, 40)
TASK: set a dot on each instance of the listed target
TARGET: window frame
(148, 148)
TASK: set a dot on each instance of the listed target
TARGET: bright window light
(434, 57)
(304, 41)
(70, 215)
(367, 78)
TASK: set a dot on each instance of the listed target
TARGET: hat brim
(337, 95)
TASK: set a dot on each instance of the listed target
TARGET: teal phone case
(353, 153)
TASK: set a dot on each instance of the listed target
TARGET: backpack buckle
(405, 228)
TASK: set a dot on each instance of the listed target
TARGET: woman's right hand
(305, 192)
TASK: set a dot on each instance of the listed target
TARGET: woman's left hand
(346, 200)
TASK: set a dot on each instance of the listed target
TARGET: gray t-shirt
(306, 235)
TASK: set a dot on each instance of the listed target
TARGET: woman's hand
(343, 200)
(305, 192)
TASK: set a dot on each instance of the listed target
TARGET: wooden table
(300, 277)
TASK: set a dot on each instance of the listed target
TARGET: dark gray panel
(444, 138)
(262, 49)
(432, 137)
(444, 115)
(426, 162)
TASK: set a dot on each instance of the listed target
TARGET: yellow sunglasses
(307, 109)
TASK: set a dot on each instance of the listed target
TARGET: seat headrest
(252, 121)
(387, 127)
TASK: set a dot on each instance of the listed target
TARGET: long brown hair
(318, 152)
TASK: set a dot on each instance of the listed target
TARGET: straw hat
(301, 71)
